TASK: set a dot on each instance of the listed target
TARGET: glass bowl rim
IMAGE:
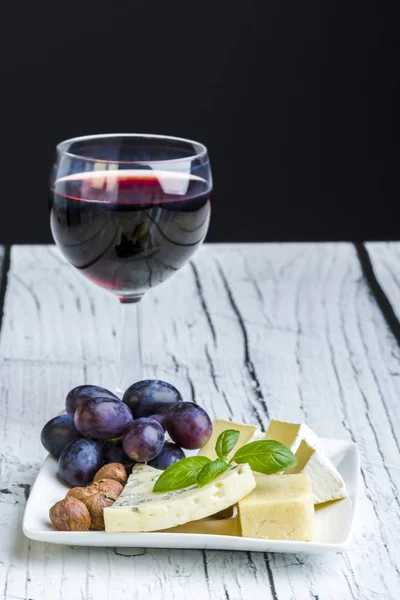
(200, 150)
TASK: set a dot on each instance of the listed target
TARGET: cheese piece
(279, 508)
(327, 483)
(247, 433)
(139, 509)
(209, 527)
(291, 434)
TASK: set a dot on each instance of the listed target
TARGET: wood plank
(4, 267)
(385, 259)
(250, 331)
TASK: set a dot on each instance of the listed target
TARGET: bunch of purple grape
(99, 428)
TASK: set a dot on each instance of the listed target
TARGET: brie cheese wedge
(326, 482)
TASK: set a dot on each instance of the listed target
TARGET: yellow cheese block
(247, 433)
(279, 508)
(209, 526)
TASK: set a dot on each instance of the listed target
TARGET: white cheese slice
(247, 434)
(326, 482)
(139, 509)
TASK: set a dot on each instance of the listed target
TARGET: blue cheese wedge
(139, 509)
(326, 482)
(247, 434)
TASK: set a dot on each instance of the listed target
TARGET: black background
(298, 103)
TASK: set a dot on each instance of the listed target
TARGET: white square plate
(334, 521)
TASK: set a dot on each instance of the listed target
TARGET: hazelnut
(96, 505)
(82, 493)
(112, 471)
(109, 488)
(70, 514)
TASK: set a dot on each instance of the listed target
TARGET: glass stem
(130, 363)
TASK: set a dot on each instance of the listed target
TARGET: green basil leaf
(266, 456)
(226, 442)
(211, 471)
(181, 474)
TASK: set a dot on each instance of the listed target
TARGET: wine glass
(127, 211)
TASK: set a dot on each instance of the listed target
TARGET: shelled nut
(70, 514)
(114, 471)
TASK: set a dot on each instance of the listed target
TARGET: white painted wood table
(300, 332)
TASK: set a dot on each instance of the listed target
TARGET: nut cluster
(83, 507)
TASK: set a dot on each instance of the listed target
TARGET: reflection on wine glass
(127, 211)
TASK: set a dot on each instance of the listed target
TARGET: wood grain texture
(249, 331)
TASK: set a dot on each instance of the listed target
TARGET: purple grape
(160, 419)
(114, 452)
(143, 439)
(151, 396)
(85, 392)
(58, 432)
(189, 425)
(169, 455)
(102, 418)
(79, 462)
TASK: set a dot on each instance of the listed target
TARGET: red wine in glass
(127, 211)
(129, 229)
